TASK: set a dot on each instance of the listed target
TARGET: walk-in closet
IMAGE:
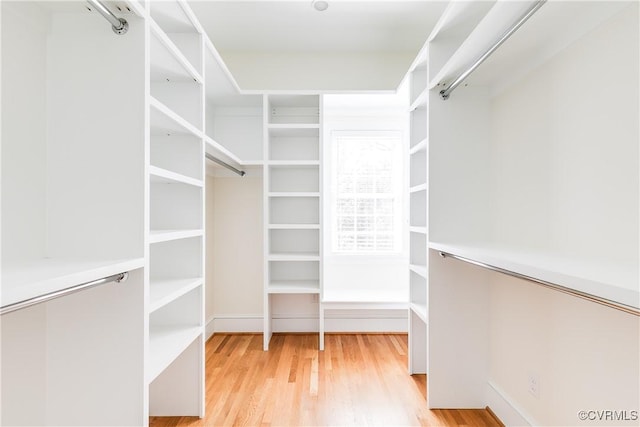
(320, 213)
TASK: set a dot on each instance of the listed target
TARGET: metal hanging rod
(226, 165)
(118, 25)
(444, 94)
(118, 278)
(573, 292)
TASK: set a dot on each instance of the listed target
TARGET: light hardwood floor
(358, 380)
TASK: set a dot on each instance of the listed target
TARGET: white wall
(580, 109)
(234, 276)
(317, 71)
(23, 129)
(549, 133)
(584, 356)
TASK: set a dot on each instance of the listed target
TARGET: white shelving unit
(72, 212)
(292, 201)
(93, 186)
(418, 197)
(520, 178)
(175, 309)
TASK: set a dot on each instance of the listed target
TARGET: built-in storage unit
(102, 174)
(73, 200)
(175, 312)
(418, 196)
(533, 169)
(292, 201)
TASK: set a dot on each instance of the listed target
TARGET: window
(367, 192)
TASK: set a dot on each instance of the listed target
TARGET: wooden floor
(357, 380)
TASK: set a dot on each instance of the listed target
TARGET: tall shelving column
(175, 309)
(418, 187)
(292, 200)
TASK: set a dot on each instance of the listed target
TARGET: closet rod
(226, 165)
(444, 94)
(589, 297)
(120, 277)
(118, 25)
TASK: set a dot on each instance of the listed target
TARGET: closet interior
(116, 224)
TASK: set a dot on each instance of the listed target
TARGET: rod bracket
(122, 28)
(444, 95)
(123, 277)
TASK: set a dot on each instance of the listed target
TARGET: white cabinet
(292, 202)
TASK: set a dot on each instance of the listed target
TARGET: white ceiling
(288, 45)
(295, 26)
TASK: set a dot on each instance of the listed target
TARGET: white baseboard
(505, 408)
(346, 322)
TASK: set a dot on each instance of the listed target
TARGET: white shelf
(294, 131)
(293, 226)
(165, 121)
(617, 283)
(294, 287)
(301, 256)
(157, 236)
(420, 270)
(421, 100)
(389, 299)
(164, 291)
(173, 18)
(420, 146)
(294, 163)
(420, 310)
(415, 229)
(218, 150)
(417, 188)
(43, 276)
(163, 176)
(165, 344)
(162, 67)
(275, 127)
(294, 194)
(489, 29)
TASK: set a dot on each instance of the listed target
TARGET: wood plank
(360, 379)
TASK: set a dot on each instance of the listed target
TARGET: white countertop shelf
(43, 276)
(371, 299)
(617, 283)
